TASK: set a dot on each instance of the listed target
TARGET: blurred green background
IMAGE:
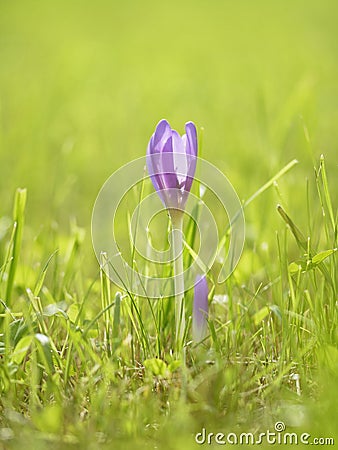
(83, 84)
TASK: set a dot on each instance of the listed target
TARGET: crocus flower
(171, 162)
(200, 309)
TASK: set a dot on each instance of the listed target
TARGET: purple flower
(171, 162)
(200, 309)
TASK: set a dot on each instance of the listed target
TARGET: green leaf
(21, 349)
(72, 312)
(18, 329)
(317, 259)
(156, 366)
(305, 266)
(260, 315)
(295, 266)
(174, 365)
(54, 309)
(276, 311)
(45, 351)
(298, 235)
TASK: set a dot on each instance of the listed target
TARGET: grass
(82, 86)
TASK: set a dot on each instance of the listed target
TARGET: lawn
(86, 364)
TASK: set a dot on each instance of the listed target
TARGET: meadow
(86, 365)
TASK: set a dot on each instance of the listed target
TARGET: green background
(83, 85)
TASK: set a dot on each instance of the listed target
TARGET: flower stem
(177, 246)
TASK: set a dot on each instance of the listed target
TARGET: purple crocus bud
(171, 162)
(200, 309)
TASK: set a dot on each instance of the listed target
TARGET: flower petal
(180, 160)
(191, 150)
(167, 169)
(161, 135)
(200, 308)
(151, 161)
(191, 133)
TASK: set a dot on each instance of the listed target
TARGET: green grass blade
(298, 235)
(270, 183)
(327, 192)
(18, 217)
